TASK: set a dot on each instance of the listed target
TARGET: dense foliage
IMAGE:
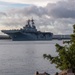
(66, 54)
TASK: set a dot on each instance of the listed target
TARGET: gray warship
(28, 33)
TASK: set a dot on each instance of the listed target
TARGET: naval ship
(28, 33)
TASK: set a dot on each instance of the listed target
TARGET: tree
(66, 54)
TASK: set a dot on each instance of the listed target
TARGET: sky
(56, 16)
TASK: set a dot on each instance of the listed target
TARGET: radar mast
(28, 23)
(32, 22)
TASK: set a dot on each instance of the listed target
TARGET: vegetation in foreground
(66, 54)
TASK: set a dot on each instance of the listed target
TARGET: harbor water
(26, 57)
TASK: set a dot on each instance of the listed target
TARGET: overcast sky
(57, 16)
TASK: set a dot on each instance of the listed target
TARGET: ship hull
(20, 36)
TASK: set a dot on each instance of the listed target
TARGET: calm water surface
(26, 57)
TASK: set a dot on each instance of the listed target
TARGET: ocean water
(26, 57)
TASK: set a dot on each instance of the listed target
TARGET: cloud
(35, 2)
(55, 17)
(62, 9)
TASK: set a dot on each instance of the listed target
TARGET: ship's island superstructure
(28, 33)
